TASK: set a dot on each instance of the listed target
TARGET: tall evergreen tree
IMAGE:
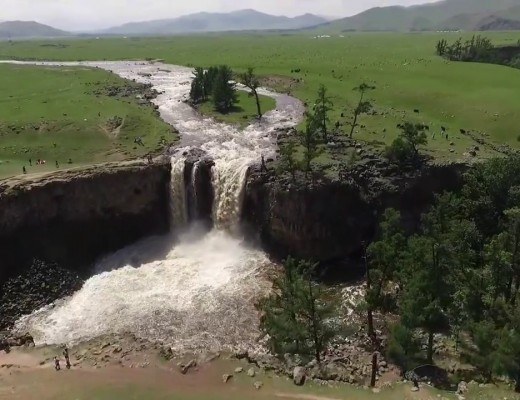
(198, 93)
(224, 91)
(363, 106)
(297, 317)
(384, 261)
(322, 107)
(251, 81)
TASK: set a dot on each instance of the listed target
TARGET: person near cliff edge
(263, 167)
(56, 363)
(67, 359)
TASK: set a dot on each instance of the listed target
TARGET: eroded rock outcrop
(329, 220)
(73, 217)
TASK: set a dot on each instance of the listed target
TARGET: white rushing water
(197, 293)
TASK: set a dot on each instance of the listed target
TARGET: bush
(402, 346)
(400, 151)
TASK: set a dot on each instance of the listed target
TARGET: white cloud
(95, 14)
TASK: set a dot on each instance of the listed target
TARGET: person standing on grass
(24, 170)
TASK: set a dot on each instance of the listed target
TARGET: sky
(77, 15)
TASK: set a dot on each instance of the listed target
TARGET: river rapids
(193, 290)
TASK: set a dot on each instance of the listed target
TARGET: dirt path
(302, 396)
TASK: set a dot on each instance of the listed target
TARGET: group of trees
(479, 49)
(216, 84)
(459, 274)
(317, 130)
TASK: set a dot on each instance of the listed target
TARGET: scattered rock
(258, 385)
(239, 370)
(251, 372)
(226, 378)
(166, 352)
(462, 387)
(187, 367)
(414, 389)
(299, 376)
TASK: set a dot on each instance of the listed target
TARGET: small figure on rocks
(57, 164)
(264, 167)
(56, 363)
(24, 170)
(150, 159)
(30, 162)
(67, 359)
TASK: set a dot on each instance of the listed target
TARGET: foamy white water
(198, 293)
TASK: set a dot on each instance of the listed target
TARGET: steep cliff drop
(194, 289)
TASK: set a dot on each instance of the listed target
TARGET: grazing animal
(416, 111)
(463, 131)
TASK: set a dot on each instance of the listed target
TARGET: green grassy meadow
(408, 76)
(243, 112)
(54, 114)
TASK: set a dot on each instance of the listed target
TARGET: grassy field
(54, 114)
(243, 112)
(403, 67)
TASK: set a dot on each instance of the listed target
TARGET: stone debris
(299, 376)
(186, 367)
(251, 372)
(258, 385)
(226, 378)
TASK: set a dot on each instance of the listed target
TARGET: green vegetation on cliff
(80, 114)
(458, 276)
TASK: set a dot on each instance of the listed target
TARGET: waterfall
(193, 290)
(179, 214)
(194, 214)
(228, 179)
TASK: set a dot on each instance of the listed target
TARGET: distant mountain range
(28, 29)
(242, 20)
(453, 15)
(469, 15)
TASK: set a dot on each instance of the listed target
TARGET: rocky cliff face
(328, 221)
(74, 217)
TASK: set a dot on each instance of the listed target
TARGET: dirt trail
(303, 396)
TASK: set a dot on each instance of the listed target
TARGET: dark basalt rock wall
(73, 218)
(328, 221)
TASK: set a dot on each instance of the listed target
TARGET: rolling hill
(442, 15)
(28, 29)
(217, 22)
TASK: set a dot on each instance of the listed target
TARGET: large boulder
(299, 376)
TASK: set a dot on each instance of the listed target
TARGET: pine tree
(384, 260)
(197, 92)
(322, 107)
(297, 317)
(363, 106)
(251, 81)
(309, 140)
(224, 92)
(288, 160)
